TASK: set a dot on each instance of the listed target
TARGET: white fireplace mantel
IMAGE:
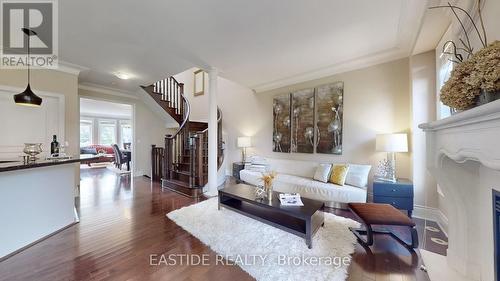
(463, 154)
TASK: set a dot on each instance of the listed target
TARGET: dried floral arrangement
(268, 179)
(478, 72)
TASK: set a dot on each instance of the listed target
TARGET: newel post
(153, 162)
(193, 140)
(200, 157)
(168, 157)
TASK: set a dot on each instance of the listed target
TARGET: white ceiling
(89, 107)
(261, 44)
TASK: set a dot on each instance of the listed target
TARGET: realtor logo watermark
(249, 260)
(38, 16)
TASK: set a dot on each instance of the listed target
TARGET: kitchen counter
(17, 164)
(37, 200)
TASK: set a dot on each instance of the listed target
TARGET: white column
(212, 132)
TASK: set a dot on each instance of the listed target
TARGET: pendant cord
(27, 59)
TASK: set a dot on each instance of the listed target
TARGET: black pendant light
(27, 97)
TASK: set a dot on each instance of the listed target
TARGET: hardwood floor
(123, 222)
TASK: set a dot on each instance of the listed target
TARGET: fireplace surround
(463, 154)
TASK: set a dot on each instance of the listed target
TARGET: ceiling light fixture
(123, 75)
(28, 98)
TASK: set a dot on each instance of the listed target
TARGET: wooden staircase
(182, 165)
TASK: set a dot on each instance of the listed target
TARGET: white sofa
(297, 176)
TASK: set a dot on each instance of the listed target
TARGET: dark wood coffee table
(302, 221)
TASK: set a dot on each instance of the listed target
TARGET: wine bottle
(54, 145)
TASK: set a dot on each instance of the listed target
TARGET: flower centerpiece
(267, 179)
(475, 79)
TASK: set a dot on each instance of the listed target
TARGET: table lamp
(391, 143)
(244, 142)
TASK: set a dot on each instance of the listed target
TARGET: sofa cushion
(88, 150)
(339, 173)
(322, 172)
(358, 175)
(106, 149)
(309, 188)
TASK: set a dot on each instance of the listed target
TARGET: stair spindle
(175, 98)
(170, 97)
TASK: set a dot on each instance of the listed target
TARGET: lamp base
(244, 155)
(391, 175)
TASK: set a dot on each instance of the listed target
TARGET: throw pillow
(358, 175)
(339, 173)
(322, 172)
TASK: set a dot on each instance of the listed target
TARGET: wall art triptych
(309, 120)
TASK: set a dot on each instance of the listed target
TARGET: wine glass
(62, 148)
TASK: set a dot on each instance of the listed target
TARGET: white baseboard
(432, 214)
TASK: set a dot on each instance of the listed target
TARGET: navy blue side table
(399, 194)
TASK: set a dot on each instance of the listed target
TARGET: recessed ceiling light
(123, 75)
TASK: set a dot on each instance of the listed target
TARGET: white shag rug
(266, 252)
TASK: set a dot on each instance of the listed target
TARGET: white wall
(490, 13)
(376, 100)
(149, 127)
(243, 114)
(423, 99)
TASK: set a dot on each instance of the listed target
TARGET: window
(125, 132)
(444, 74)
(107, 132)
(86, 128)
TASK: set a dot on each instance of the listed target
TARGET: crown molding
(107, 90)
(70, 68)
(409, 24)
(355, 64)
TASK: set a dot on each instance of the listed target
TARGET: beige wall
(423, 100)
(55, 82)
(376, 100)
(149, 128)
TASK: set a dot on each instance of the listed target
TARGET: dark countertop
(18, 164)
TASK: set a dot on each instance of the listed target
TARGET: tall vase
(269, 191)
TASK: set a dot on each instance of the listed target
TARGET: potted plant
(475, 80)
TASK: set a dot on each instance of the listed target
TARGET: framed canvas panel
(281, 123)
(199, 82)
(329, 114)
(303, 126)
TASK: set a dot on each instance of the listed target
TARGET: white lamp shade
(244, 142)
(392, 143)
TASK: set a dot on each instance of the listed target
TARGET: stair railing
(198, 143)
(172, 92)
